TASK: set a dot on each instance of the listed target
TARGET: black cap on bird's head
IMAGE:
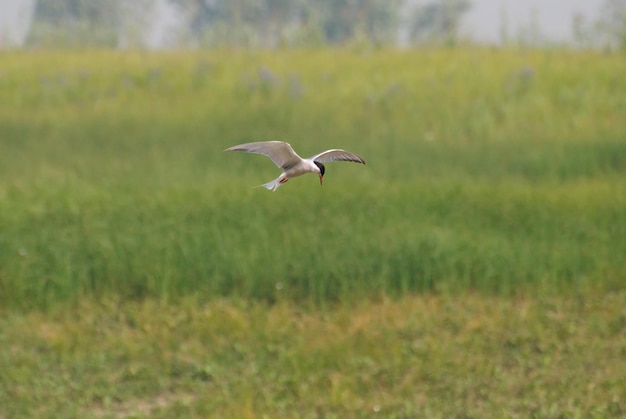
(322, 170)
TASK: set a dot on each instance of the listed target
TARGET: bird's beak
(321, 178)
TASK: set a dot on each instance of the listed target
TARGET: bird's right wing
(280, 152)
(337, 155)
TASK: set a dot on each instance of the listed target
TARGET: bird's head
(322, 170)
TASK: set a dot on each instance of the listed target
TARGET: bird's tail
(273, 185)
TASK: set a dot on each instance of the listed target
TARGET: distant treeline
(264, 23)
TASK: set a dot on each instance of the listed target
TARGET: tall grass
(495, 171)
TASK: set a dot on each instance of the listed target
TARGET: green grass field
(141, 273)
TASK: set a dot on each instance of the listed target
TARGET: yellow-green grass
(474, 267)
(425, 356)
(495, 171)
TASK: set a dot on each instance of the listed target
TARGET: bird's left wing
(280, 152)
(337, 155)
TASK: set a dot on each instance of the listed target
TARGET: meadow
(463, 270)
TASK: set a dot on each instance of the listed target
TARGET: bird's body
(292, 164)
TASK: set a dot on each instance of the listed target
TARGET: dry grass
(418, 356)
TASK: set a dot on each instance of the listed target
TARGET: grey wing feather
(280, 152)
(337, 155)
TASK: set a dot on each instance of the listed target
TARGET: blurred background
(166, 24)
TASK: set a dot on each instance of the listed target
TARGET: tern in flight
(293, 165)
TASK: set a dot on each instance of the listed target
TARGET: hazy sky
(484, 20)
(15, 16)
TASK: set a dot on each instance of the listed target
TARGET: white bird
(293, 165)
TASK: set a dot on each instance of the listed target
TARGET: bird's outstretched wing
(280, 152)
(337, 155)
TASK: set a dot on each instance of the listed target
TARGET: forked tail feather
(272, 185)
